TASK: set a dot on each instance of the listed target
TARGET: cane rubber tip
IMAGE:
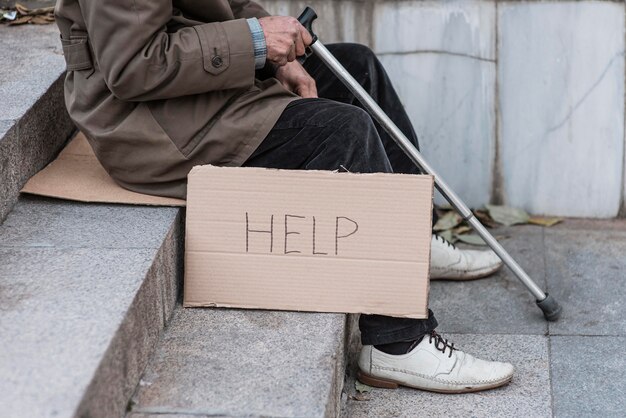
(550, 307)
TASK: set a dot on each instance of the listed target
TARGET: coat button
(217, 61)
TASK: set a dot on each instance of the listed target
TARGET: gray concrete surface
(33, 121)
(570, 368)
(528, 395)
(221, 362)
(588, 376)
(500, 305)
(85, 291)
(586, 272)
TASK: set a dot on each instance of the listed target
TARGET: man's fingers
(306, 36)
(303, 39)
(307, 89)
(313, 89)
(285, 38)
(280, 53)
(300, 48)
(291, 56)
(307, 93)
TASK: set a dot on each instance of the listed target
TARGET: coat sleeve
(246, 9)
(140, 61)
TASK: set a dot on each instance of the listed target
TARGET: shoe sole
(480, 274)
(392, 384)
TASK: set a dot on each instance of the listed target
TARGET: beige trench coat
(159, 86)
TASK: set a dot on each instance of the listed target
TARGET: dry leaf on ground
(542, 221)
(453, 228)
(507, 215)
(485, 219)
(38, 16)
(448, 221)
(463, 229)
(360, 397)
(362, 388)
(471, 239)
(448, 236)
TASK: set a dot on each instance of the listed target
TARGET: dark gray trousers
(334, 131)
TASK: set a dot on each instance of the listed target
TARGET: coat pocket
(188, 120)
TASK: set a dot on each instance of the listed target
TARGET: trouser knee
(361, 143)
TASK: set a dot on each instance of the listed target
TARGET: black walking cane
(551, 309)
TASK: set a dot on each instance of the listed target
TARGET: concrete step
(235, 363)
(85, 290)
(33, 121)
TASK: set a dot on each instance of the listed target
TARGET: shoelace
(441, 343)
(445, 241)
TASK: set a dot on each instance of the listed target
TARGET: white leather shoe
(452, 263)
(433, 365)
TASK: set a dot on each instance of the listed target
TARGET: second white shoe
(433, 365)
(449, 262)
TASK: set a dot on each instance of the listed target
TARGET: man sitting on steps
(159, 86)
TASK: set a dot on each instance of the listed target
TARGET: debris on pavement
(361, 387)
(471, 239)
(20, 14)
(507, 215)
(453, 228)
(8, 14)
(448, 221)
(359, 397)
(542, 221)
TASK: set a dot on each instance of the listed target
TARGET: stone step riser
(32, 142)
(235, 362)
(131, 348)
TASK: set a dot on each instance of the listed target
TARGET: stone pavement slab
(588, 376)
(528, 395)
(586, 274)
(223, 362)
(499, 304)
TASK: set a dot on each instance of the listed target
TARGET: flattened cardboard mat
(76, 174)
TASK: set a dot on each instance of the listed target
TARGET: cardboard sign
(308, 241)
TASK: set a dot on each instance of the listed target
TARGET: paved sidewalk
(572, 368)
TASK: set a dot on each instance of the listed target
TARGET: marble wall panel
(561, 101)
(441, 57)
(338, 21)
(450, 100)
(463, 27)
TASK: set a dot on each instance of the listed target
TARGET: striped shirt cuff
(258, 42)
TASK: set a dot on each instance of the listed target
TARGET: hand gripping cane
(551, 309)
